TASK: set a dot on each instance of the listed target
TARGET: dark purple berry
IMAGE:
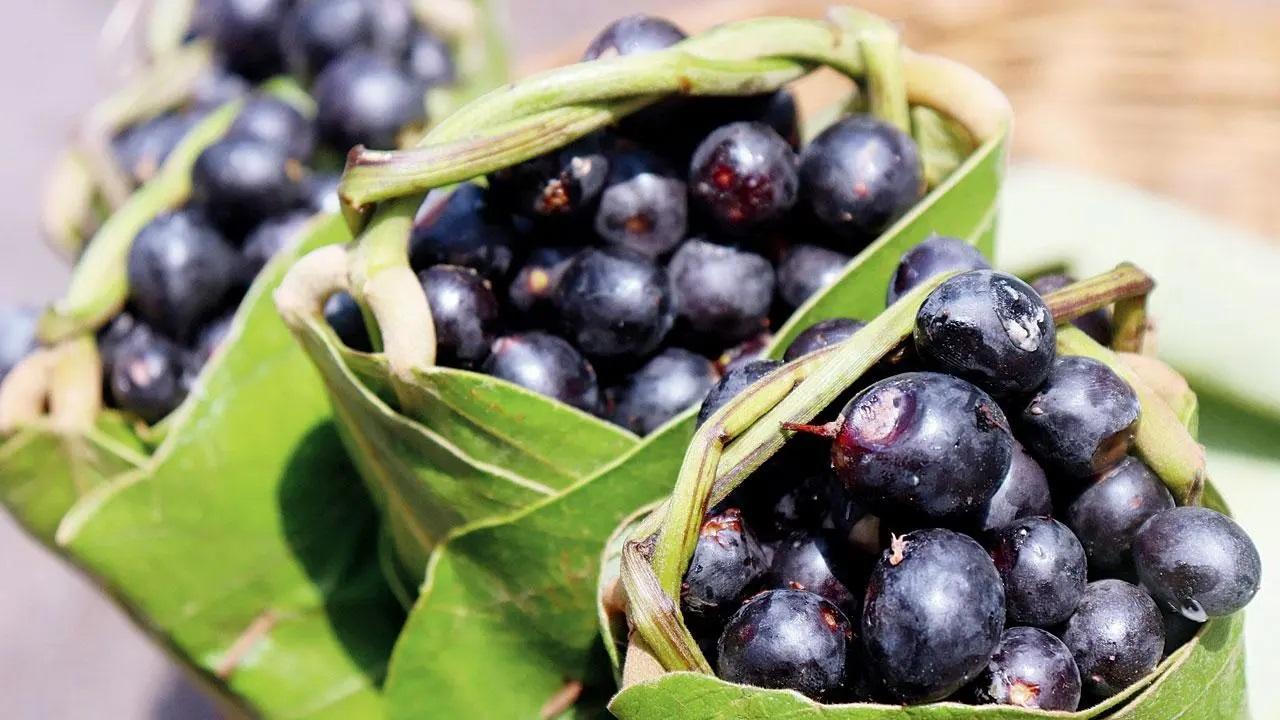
(937, 254)
(430, 61)
(246, 34)
(460, 228)
(860, 175)
(743, 175)
(560, 184)
(317, 31)
(732, 384)
(180, 273)
(17, 335)
(721, 292)
(344, 316)
(1096, 324)
(1116, 636)
(613, 302)
(535, 282)
(1178, 631)
(149, 376)
(215, 87)
(1082, 419)
(672, 382)
(320, 192)
(1107, 515)
(364, 99)
(464, 311)
(212, 336)
(990, 328)
(644, 206)
(807, 269)
(239, 182)
(1024, 492)
(272, 237)
(726, 566)
(886, 448)
(1043, 567)
(633, 35)
(142, 149)
(788, 639)
(932, 615)
(547, 365)
(778, 111)
(1197, 561)
(276, 122)
(813, 562)
(822, 334)
(1030, 669)
(817, 503)
(749, 350)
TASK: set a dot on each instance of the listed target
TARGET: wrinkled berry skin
(238, 182)
(464, 311)
(560, 184)
(1096, 324)
(727, 565)
(535, 282)
(813, 562)
(1082, 420)
(1116, 636)
(937, 254)
(149, 376)
(887, 448)
(1030, 669)
(246, 34)
(720, 292)
(672, 382)
(364, 99)
(273, 236)
(644, 206)
(1043, 567)
(742, 176)
(820, 335)
(860, 175)
(180, 273)
(1197, 561)
(547, 365)
(1024, 492)
(807, 269)
(989, 328)
(633, 35)
(275, 122)
(612, 303)
(17, 335)
(344, 316)
(932, 615)
(462, 229)
(735, 380)
(1107, 515)
(788, 639)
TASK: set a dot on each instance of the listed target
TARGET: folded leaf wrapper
(497, 501)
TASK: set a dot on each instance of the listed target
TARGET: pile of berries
(622, 273)
(972, 526)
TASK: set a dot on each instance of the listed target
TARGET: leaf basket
(496, 501)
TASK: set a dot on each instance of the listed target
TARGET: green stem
(1129, 325)
(1127, 283)
(882, 54)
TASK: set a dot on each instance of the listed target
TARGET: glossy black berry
(1116, 636)
(180, 273)
(778, 110)
(935, 255)
(1024, 492)
(272, 237)
(1178, 630)
(149, 376)
(644, 206)
(672, 382)
(735, 380)
(344, 316)
(429, 60)
(633, 35)
(816, 505)
(1107, 515)
(1043, 567)
(1197, 561)
(822, 334)
(922, 446)
(990, 328)
(278, 123)
(365, 99)
(462, 229)
(320, 192)
(860, 175)
(464, 311)
(727, 565)
(246, 34)
(1096, 324)
(317, 31)
(613, 303)
(535, 282)
(743, 176)
(1030, 669)
(142, 149)
(560, 184)
(547, 365)
(789, 639)
(749, 350)
(239, 182)
(932, 615)
(1082, 419)
(720, 292)
(817, 563)
(17, 335)
(807, 269)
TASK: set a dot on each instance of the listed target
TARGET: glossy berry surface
(317, 31)
(721, 292)
(1116, 636)
(813, 562)
(786, 639)
(547, 365)
(273, 237)
(320, 192)
(1030, 669)
(141, 149)
(858, 176)
(464, 311)
(180, 273)
(560, 184)
(365, 99)
(149, 376)
(239, 182)
(727, 565)
(246, 34)
(805, 270)
(935, 255)
(888, 445)
(672, 382)
(1197, 561)
(278, 123)
(735, 380)
(822, 334)
(613, 302)
(17, 335)
(644, 206)
(429, 61)
(816, 504)
(1096, 324)
(633, 35)
(932, 615)
(1082, 420)
(461, 228)
(1024, 492)
(742, 176)
(990, 328)
(535, 282)
(1043, 567)
(344, 316)
(1107, 515)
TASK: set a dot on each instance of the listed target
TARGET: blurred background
(1177, 97)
